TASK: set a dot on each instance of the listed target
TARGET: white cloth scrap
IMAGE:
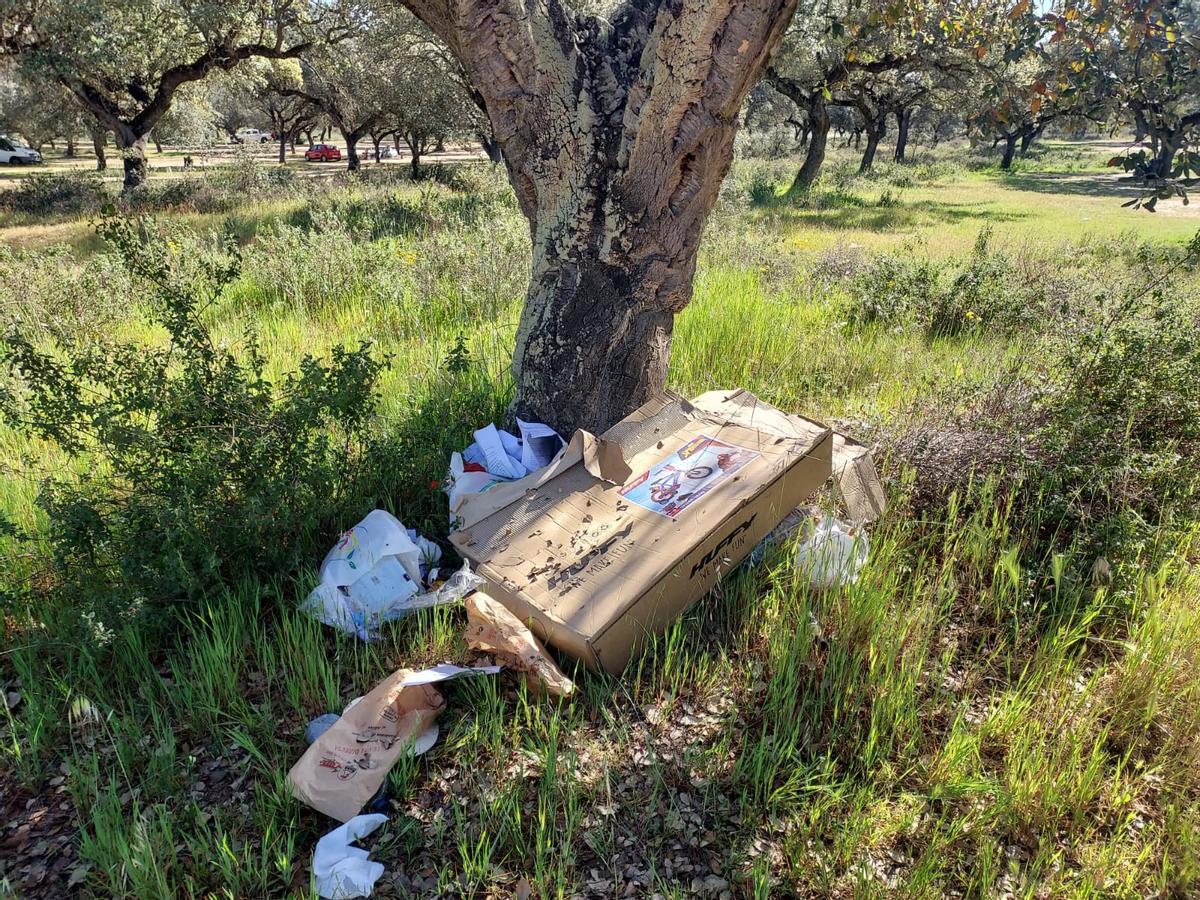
(341, 871)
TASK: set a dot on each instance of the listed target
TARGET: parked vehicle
(252, 136)
(14, 153)
(322, 153)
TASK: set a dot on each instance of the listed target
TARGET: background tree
(287, 112)
(1015, 99)
(860, 54)
(125, 60)
(189, 121)
(616, 132)
(432, 105)
(34, 111)
(352, 83)
(1143, 56)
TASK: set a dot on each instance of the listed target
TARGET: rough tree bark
(903, 121)
(133, 154)
(71, 151)
(352, 137)
(1010, 150)
(876, 126)
(616, 135)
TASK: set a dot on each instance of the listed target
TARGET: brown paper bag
(345, 766)
(493, 629)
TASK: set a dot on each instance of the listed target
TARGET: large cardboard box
(614, 539)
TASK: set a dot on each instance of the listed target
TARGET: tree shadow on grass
(1111, 187)
(896, 218)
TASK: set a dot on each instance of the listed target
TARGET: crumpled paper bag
(344, 767)
(493, 629)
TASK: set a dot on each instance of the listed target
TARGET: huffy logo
(564, 575)
(716, 551)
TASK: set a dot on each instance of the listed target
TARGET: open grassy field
(1006, 703)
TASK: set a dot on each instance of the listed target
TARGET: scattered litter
(344, 767)
(431, 555)
(493, 629)
(373, 575)
(341, 871)
(424, 742)
(857, 480)
(497, 457)
(832, 553)
(506, 456)
(451, 590)
(319, 726)
(445, 672)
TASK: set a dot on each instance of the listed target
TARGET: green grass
(977, 715)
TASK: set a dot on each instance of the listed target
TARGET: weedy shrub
(41, 194)
(51, 289)
(893, 289)
(839, 261)
(1124, 417)
(198, 469)
(1100, 445)
(989, 291)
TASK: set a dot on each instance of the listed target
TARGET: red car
(322, 153)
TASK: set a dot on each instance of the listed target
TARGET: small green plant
(889, 199)
(762, 188)
(458, 359)
(189, 467)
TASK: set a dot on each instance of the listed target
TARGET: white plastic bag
(451, 590)
(371, 576)
(832, 554)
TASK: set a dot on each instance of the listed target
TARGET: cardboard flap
(857, 480)
(740, 407)
(601, 458)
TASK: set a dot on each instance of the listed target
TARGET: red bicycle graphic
(668, 486)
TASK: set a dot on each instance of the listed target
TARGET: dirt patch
(39, 854)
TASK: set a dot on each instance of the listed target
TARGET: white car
(15, 154)
(251, 136)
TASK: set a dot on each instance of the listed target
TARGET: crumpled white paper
(503, 456)
(341, 871)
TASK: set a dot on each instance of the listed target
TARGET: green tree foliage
(1143, 57)
(126, 60)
